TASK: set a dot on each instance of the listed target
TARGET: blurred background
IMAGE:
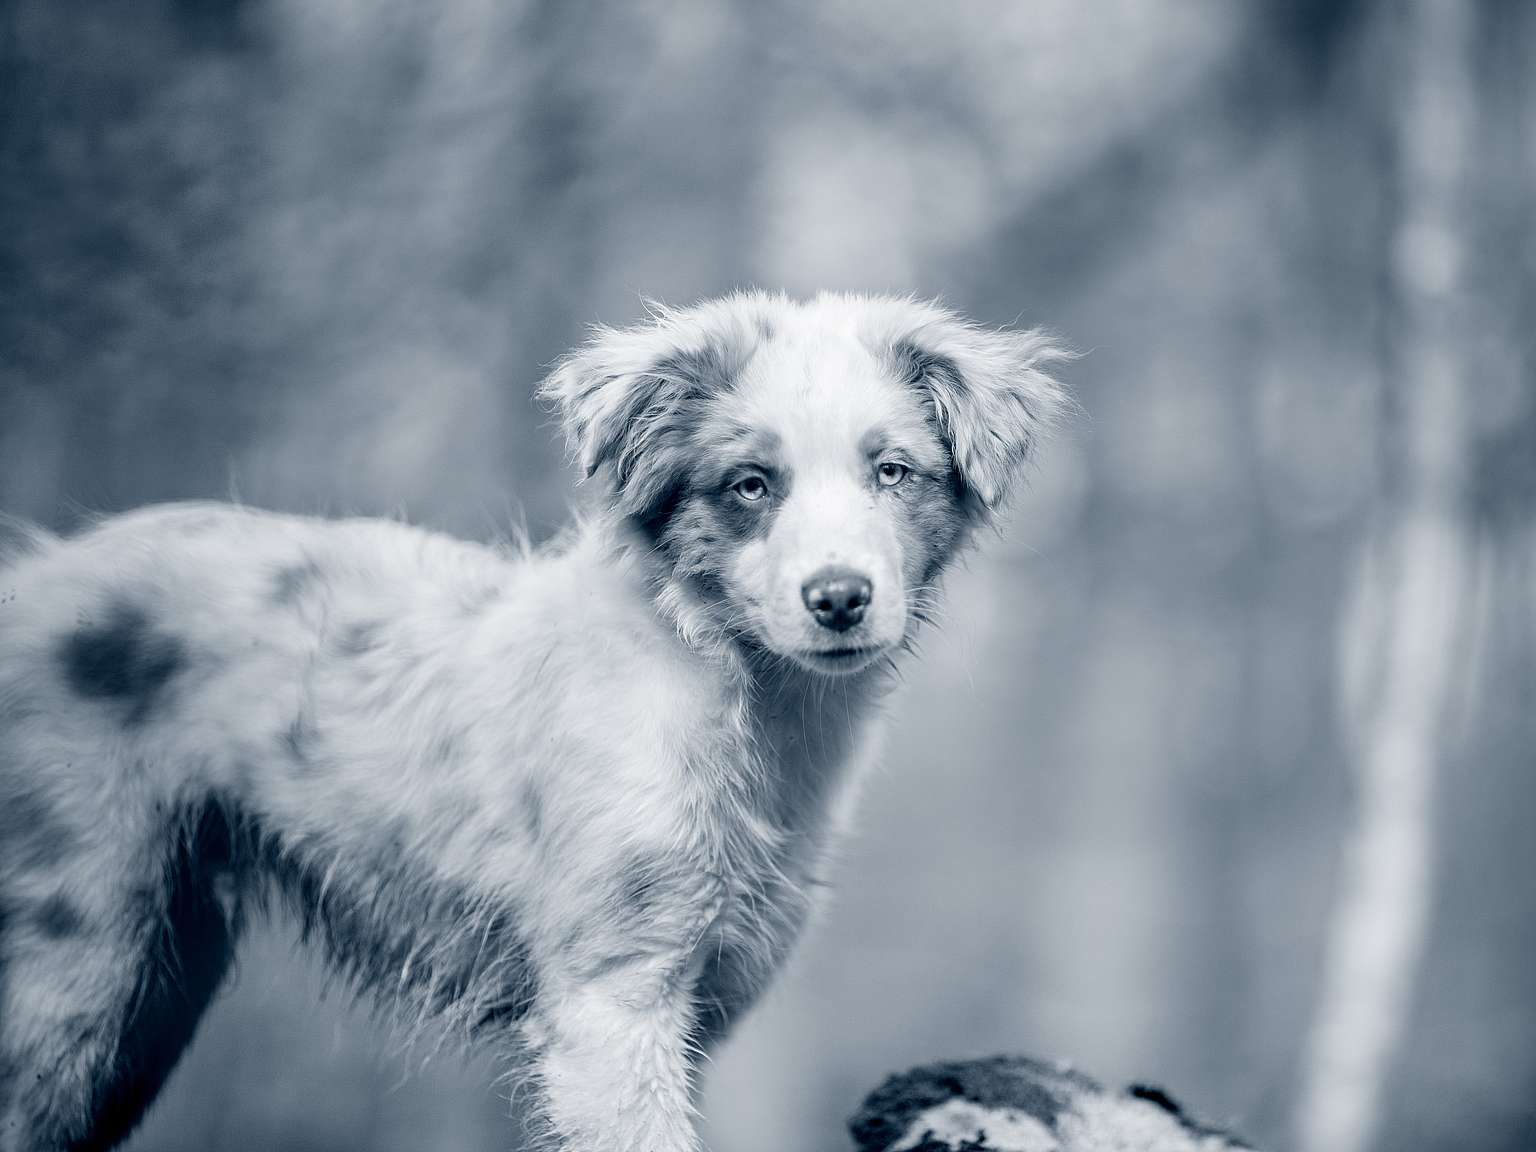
(1221, 775)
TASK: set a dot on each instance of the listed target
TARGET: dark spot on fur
(122, 659)
(292, 581)
(188, 954)
(932, 531)
(57, 918)
(743, 519)
(359, 637)
(701, 516)
(653, 521)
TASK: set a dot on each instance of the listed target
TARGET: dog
(571, 803)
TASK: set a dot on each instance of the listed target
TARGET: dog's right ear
(629, 398)
(990, 392)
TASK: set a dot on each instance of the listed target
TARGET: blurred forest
(1221, 773)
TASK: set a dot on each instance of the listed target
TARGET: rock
(1015, 1104)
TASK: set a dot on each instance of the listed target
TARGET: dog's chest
(770, 840)
(764, 899)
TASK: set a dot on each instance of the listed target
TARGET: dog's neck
(807, 728)
(798, 729)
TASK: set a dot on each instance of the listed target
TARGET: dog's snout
(837, 597)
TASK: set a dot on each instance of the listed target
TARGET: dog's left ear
(992, 398)
(630, 397)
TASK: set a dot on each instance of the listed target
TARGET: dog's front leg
(615, 1065)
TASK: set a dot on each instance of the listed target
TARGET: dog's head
(808, 469)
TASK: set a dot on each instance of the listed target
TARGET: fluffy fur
(572, 804)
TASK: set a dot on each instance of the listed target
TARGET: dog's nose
(837, 597)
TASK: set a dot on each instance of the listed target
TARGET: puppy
(573, 803)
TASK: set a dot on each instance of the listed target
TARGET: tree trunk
(1402, 631)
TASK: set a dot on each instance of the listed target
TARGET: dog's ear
(629, 398)
(991, 395)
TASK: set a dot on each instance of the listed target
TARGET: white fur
(582, 774)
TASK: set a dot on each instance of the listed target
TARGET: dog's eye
(891, 473)
(750, 488)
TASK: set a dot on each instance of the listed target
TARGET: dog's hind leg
(105, 969)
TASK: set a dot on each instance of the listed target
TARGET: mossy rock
(1015, 1104)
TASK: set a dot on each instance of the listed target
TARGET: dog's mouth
(840, 661)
